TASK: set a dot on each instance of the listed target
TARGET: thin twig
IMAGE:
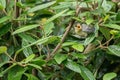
(39, 49)
(10, 57)
(5, 12)
(48, 53)
(103, 45)
(107, 42)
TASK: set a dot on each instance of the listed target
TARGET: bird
(83, 30)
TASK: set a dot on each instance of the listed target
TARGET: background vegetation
(37, 40)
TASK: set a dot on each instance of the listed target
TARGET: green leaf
(29, 58)
(3, 63)
(1, 7)
(73, 66)
(105, 32)
(38, 61)
(59, 58)
(48, 28)
(118, 16)
(42, 75)
(79, 55)
(78, 47)
(109, 76)
(106, 18)
(35, 66)
(89, 21)
(25, 28)
(27, 51)
(86, 74)
(6, 70)
(30, 77)
(26, 37)
(113, 26)
(68, 44)
(89, 39)
(52, 40)
(5, 58)
(56, 16)
(3, 19)
(19, 4)
(96, 29)
(40, 41)
(62, 6)
(77, 19)
(45, 41)
(39, 7)
(69, 13)
(114, 49)
(3, 4)
(3, 49)
(16, 73)
(4, 29)
(107, 7)
(88, 0)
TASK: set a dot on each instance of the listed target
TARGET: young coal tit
(82, 30)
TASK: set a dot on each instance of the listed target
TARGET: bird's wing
(87, 28)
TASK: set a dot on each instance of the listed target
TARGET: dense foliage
(38, 40)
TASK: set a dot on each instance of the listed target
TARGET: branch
(64, 35)
(63, 38)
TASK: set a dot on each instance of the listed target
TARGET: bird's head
(78, 28)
